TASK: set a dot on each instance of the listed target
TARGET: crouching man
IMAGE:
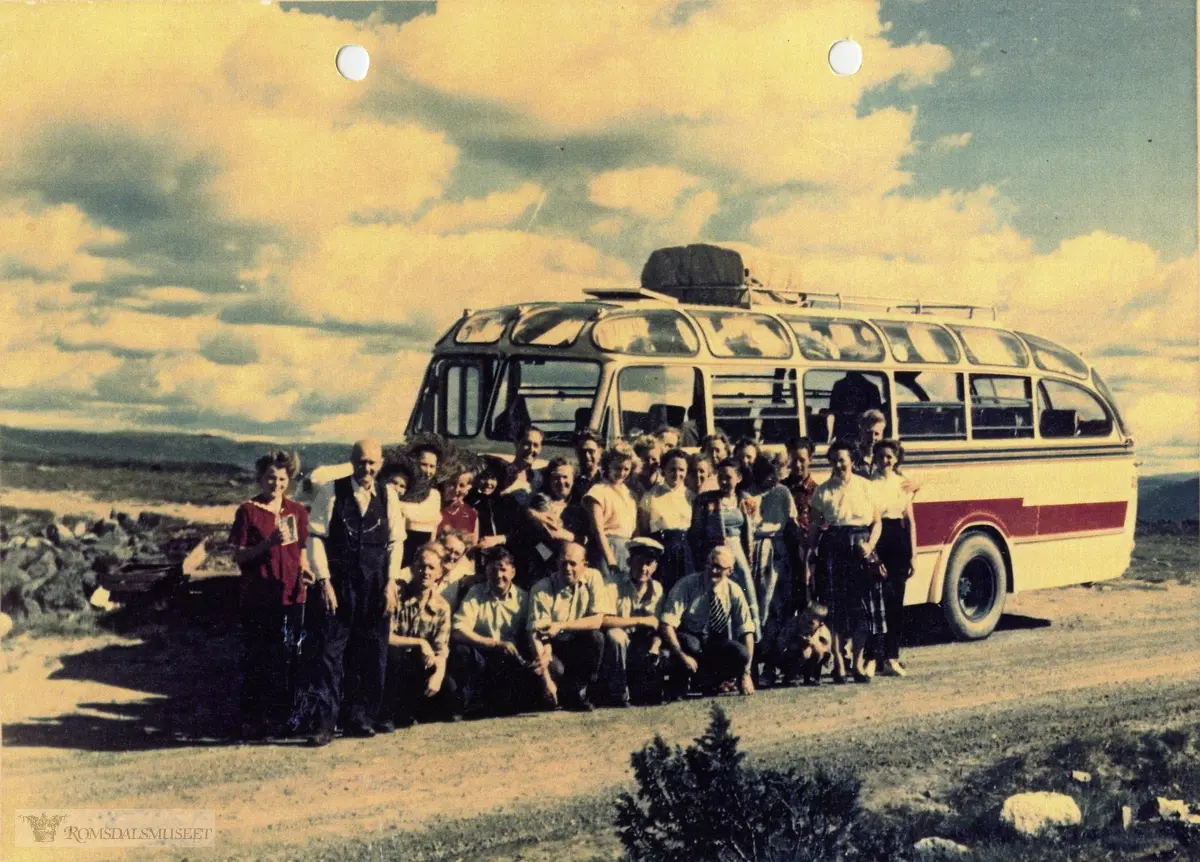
(418, 648)
(634, 644)
(566, 612)
(488, 629)
(707, 625)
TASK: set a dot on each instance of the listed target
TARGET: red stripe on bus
(938, 523)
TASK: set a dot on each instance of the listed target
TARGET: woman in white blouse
(612, 512)
(845, 507)
(422, 505)
(897, 547)
(664, 514)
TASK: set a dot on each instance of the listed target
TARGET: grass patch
(1165, 552)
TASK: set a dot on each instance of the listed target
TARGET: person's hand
(750, 506)
(428, 656)
(909, 486)
(553, 630)
(746, 683)
(433, 686)
(912, 566)
(648, 621)
(866, 549)
(690, 663)
(329, 597)
(655, 649)
(509, 648)
(276, 538)
(490, 542)
(390, 598)
(307, 577)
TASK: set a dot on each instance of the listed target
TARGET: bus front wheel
(975, 588)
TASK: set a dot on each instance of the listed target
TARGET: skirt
(772, 576)
(855, 601)
(743, 576)
(677, 561)
(620, 549)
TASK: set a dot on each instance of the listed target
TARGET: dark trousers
(576, 657)
(404, 695)
(719, 658)
(270, 639)
(350, 668)
(893, 605)
(490, 681)
(642, 668)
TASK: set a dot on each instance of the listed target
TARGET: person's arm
(873, 539)
(595, 516)
(912, 536)
(398, 530)
(746, 685)
(243, 553)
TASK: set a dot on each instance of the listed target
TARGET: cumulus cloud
(650, 191)
(952, 142)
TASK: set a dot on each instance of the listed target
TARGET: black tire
(975, 587)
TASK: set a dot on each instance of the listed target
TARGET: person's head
(871, 427)
(500, 569)
(746, 453)
(489, 479)
(668, 435)
(887, 455)
(456, 543)
(801, 449)
(366, 457)
(766, 473)
(588, 450)
(617, 462)
(703, 469)
(783, 464)
(428, 566)
(560, 478)
(275, 471)
(729, 475)
(648, 449)
(644, 555)
(572, 560)
(719, 564)
(426, 458)
(529, 445)
(715, 446)
(674, 467)
(813, 617)
(841, 458)
(458, 485)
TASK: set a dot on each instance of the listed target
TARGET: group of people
(431, 584)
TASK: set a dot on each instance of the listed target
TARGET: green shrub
(703, 804)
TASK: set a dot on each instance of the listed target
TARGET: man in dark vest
(356, 537)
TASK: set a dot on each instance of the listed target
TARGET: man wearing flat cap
(633, 645)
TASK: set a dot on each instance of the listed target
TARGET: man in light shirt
(566, 611)
(634, 644)
(486, 639)
(356, 537)
(707, 624)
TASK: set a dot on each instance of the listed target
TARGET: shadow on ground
(186, 664)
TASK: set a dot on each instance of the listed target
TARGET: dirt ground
(135, 723)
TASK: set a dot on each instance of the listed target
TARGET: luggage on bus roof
(696, 265)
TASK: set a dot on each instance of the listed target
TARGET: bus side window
(835, 399)
(651, 396)
(1068, 410)
(1001, 407)
(759, 403)
(930, 406)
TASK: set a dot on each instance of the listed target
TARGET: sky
(204, 228)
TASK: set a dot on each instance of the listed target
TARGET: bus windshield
(553, 394)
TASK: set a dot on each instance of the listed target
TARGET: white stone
(1167, 809)
(1081, 776)
(1126, 817)
(1033, 813)
(935, 849)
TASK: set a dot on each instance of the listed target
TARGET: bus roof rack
(627, 293)
(810, 299)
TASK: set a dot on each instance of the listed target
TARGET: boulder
(105, 526)
(59, 534)
(935, 849)
(1081, 776)
(1034, 813)
(79, 530)
(1164, 809)
(1126, 817)
(151, 520)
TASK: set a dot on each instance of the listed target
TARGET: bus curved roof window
(1049, 356)
(485, 327)
(1102, 387)
(838, 339)
(917, 341)
(744, 335)
(554, 325)
(992, 346)
(647, 333)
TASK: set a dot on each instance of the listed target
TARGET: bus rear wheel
(975, 588)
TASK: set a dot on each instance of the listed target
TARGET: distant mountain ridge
(1174, 497)
(150, 447)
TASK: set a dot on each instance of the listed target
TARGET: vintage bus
(1025, 465)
